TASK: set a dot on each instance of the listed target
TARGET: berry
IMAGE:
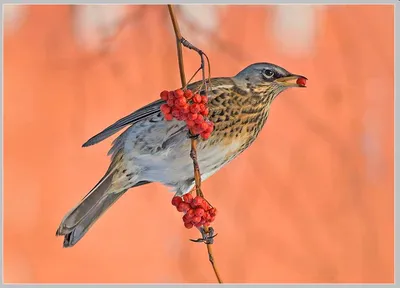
(204, 99)
(185, 109)
(213, 211)
(210, 127)
(192, 116)
(199, 212)
(171, 95)
(190, 123)
(205, 135)
(196, 219)
(188, 94)
(188, 225)
(175, 112)
(168, 117)
(301, 81)
(187, 198)
(202, 107)
(197, 201)
(196, 130)
(164, 95)
(190, 213)
(171, 102)
(186, 218)
(180, 101)
(197, 98)
(179, 93)
(205, 126)
(165, 108)
(205, 112)
(183, 207)
(199, 119)
(176, 201)
(195, 108)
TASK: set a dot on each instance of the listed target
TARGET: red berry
(205, 112)
(190, 213)
(301, 81)
(171, 95)
(188, 94)
(192, 116)
(213, 211)
(196, 130)
(206, 206)
(210, 128)
(202, 107)
(207, 224)
(171, 102)
(188, 225)
(176, 201)
(190, 123)
(205, 126)
(197, 98)
(198, 224)
(188, 198)
(168, 117)
(202, 221)
(164, 95)
(204, 99)
(180, 101)
(205, 135)
(185, 109)
(199, 119)
(175, 112)
(195, 108)
(187, 218)
(196, 219)
(183, 207)
(179, 92)
(199, 212)
(165, 108)
(197, 201)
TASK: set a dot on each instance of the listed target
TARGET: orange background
(310, 201)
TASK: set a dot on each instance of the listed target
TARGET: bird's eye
(268, 73)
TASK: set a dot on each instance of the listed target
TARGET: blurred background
(310, 201)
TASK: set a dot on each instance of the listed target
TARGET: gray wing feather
(132, 118)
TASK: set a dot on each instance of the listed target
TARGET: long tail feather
(78, 221)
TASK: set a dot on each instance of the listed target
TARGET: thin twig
(180, 41)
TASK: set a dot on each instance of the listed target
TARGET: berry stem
(180, 41)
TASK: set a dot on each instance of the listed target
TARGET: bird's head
(269, 78)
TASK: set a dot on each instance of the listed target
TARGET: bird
(153, 150)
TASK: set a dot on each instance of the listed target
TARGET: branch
(180, 41)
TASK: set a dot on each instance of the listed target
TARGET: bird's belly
(174, 167)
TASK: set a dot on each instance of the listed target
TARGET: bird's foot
(207, 237)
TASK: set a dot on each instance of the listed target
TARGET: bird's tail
(79, 220)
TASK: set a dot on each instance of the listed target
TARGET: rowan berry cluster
(184, 105)
(198, 211)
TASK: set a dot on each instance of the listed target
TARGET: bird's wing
(145, 112)
(130, 119)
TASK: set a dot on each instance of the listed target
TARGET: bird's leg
(207, 237)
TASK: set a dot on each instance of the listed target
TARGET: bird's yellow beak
(292, 81)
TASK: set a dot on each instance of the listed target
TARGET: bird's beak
(292, 81)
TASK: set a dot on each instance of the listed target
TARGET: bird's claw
(206, 237)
